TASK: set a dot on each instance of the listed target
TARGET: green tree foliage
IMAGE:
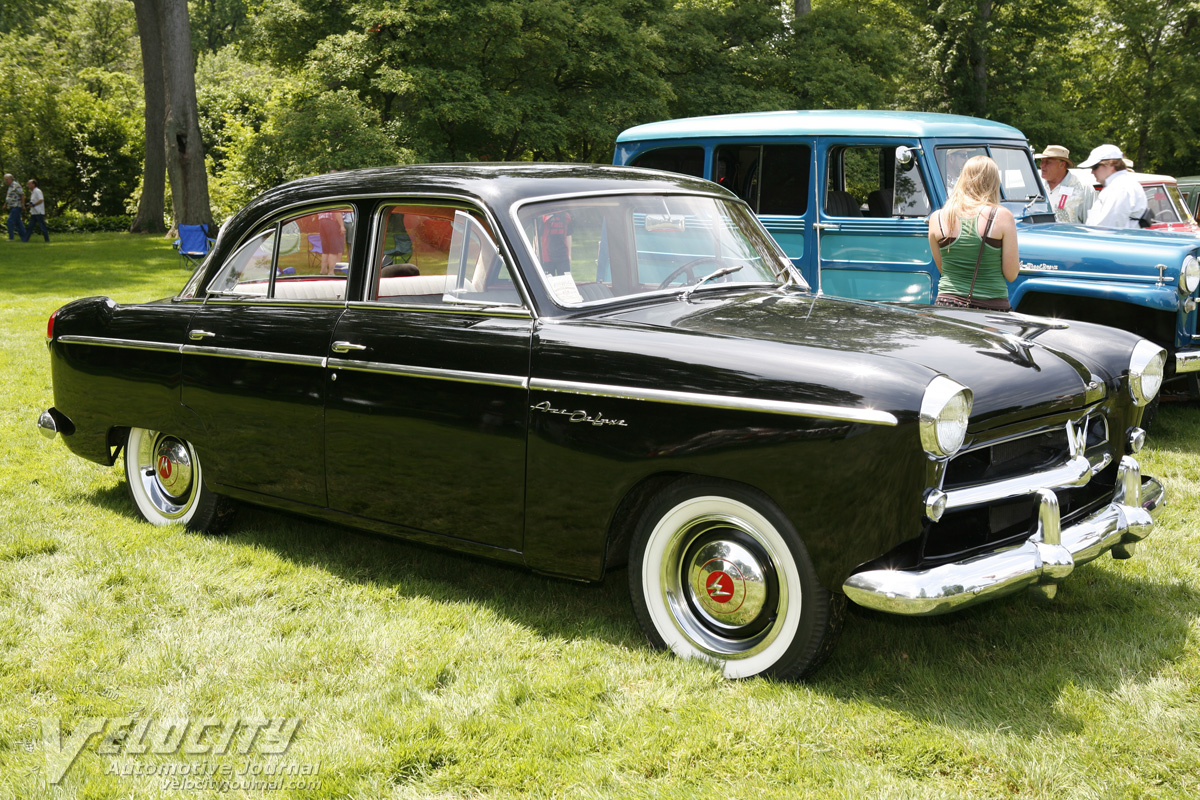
(69, 105)
(1148, 102)
(294, 87)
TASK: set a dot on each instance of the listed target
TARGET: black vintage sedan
(572, 368)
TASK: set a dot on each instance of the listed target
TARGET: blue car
(847, 195)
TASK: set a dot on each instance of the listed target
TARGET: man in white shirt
(1069, 198)
(37, 212)
(1122, 201)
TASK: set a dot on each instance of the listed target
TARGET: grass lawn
(414, 673)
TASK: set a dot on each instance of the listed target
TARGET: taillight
(50, 326)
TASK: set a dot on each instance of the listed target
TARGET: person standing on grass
(14, 201)
(37, 212)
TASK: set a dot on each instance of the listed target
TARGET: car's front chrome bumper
(1042, 561)
(1187, 361)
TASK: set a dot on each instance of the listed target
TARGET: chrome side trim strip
(133, 344)
(408, 371)
(255, 355)
(840, 413)
(1187, 360)
(1067, 273)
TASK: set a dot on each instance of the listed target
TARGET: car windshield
(593, 249)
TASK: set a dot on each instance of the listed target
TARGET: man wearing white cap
(1069, 198)
(1122, 202)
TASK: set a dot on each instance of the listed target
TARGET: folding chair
(193, 244)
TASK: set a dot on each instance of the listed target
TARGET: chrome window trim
(786, 407)
(458, 204)
(410, 371)
(248, 299)
(511, 312)
(133, 344)
(254, 355)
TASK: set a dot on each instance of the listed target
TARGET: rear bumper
(1042, 561)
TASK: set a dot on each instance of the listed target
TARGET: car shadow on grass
(1019, 663)
(1006, 665)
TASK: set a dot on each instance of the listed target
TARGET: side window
(785, 176)
(874, 182)
(316, 243)
(298, 258)
(773, 179)
(1159, 201)
(439, 254)
(684, 160)
(248, 271)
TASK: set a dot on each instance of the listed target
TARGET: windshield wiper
(710, 276)
(1033, 198)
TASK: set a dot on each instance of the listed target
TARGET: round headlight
(945, 410)
(1189, 276)
(1146, 371)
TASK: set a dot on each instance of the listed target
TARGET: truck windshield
(1018, 180)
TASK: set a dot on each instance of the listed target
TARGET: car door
(254, 360)
(427, 394)
(873, 222)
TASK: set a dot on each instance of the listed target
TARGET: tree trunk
(181, 128)
(979, 46)
(149, 217)
(801, 7)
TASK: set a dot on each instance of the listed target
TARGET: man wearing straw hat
(1070, 198)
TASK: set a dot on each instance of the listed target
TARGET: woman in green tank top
(974, 241)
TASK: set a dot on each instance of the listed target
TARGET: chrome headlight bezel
(1189, 275)
(945, 413)
(1146, 365)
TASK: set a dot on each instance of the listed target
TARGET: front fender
(1152, 296)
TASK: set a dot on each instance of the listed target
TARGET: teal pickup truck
(847, 195)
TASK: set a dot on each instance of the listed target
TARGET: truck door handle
(346, 347)
(826, 226)
(197, 335)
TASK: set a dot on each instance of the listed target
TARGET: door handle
(826, 226)
(346, 347)
(197, 335)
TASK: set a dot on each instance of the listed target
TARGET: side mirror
(905, 158)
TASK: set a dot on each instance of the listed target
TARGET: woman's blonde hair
(978, 185)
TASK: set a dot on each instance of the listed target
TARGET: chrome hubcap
(173, 466)
(720, 584)
(727, 583)
(166, 473)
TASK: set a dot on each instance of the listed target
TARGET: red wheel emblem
(164, 467)
(720, 587)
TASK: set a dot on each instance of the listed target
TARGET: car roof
(824, 123)
(1143, 178)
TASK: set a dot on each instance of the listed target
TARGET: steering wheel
(689, 268)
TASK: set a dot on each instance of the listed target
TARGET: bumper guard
(1041, 562)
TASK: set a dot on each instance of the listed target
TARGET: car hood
(898, 349)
